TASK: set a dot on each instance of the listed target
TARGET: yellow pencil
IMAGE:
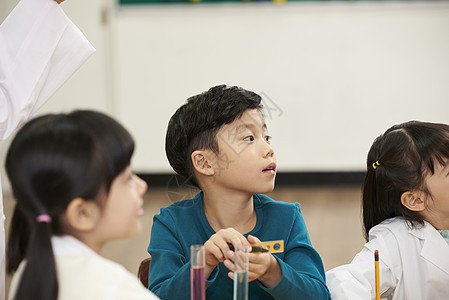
(376, 270)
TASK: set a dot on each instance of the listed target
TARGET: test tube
(241, 256)
(197, 280)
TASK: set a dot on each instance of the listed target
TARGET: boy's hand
(262, 266)
(217, 247)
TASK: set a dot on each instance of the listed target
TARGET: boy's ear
(81, 215)
(201, 160)
(413, 200)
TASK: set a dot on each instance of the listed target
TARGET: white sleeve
(40, 48)
(130, 289)
(123, 285)
(356, 280)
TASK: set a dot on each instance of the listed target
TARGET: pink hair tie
(43, 219)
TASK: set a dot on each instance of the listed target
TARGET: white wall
(337, 73)
(340, 73)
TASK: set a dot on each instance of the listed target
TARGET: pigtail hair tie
(376, 164)
(43, 219)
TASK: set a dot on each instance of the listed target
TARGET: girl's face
(437, 205)
(121, 214)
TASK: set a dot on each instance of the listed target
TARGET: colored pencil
(376, 270)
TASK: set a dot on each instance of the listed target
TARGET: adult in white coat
(40, 48)
(405, 216)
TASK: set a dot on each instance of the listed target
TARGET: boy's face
(246, 160)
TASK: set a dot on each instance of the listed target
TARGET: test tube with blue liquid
(241, 256)
(197, 280)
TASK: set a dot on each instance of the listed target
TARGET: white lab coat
(413, 263)
(39, 49)
(83, 274)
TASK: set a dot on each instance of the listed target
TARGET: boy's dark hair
(52, 160)
(406, 154)
(195, 124)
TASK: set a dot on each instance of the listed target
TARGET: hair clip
(376, 164)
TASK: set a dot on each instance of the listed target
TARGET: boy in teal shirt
(219, 141)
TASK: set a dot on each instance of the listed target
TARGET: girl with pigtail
(70, 175)
(405, 209)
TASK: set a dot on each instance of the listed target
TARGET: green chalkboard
(133, 2)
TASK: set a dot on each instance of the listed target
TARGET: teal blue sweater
(184, 223)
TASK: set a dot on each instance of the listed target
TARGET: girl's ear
(413, 200)
(81, 215)
(202, 162)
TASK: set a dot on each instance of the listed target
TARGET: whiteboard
(335, 75)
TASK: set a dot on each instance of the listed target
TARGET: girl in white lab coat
(75, 191)
(405, 217)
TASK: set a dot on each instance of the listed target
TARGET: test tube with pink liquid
(197, 280)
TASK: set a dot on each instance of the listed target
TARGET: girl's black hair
(52, 160)
(195, 124)
(406, 154)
